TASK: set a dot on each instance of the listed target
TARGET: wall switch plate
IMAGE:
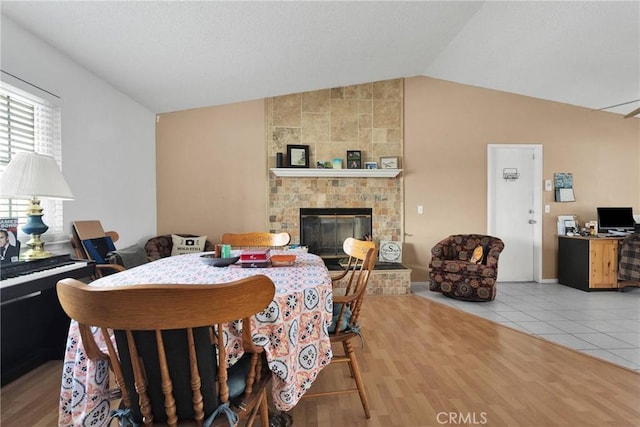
(420, 209)
(547, 185)
(547, 208)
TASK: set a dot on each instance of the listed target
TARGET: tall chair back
(165, 363)
(256, 239)
(349, 291)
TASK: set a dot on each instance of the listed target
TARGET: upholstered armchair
(465, 266)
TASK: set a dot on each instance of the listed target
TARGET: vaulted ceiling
(176, 55)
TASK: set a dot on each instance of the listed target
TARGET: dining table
(292, 330)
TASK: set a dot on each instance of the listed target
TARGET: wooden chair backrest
(90, 229)
(256, 239)
(162, 307)
(362, 261)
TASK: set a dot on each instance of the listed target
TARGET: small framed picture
(370, 165)
(389, 162)
(298, 156)
(354, 159)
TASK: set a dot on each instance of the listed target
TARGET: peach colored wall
(447, 129)
(212, 170)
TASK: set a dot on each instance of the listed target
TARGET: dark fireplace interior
(323, 230)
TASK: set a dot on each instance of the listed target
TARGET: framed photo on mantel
(389, 162)
(354, 159)
(298, 156)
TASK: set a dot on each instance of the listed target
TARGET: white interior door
(514, 209)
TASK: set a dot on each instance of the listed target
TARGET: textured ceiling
(171, 55)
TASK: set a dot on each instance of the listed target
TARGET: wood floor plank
(427, 364)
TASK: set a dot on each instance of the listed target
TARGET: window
(29, 123)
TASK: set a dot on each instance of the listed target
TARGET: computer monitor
(615, 219)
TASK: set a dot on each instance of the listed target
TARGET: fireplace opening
(323, 230)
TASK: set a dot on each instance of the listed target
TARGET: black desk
(588, 263)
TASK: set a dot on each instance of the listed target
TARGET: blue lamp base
(35, 227)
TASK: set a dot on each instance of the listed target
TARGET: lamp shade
(30, 175)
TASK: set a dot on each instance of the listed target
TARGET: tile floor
(604, 324)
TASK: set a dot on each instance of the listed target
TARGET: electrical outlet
(420, 209)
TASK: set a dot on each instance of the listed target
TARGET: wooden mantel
(335, 173)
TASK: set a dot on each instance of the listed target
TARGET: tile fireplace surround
(365, 117)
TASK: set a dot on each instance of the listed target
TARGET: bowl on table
(210, 259)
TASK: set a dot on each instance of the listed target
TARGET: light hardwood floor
(426, 364)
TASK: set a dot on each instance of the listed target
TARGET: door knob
(532, 221)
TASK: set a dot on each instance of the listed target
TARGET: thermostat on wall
(390, 251)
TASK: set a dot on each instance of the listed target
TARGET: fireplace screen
(323, 230)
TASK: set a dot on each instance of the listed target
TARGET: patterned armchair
(452, 272)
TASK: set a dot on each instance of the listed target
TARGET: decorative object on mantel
(354, 159)
(370, 165)
(564, 187)
(30, 175)
(324, 165)
(298, 156)
(337, 163)
(389, 162)
(279, 160)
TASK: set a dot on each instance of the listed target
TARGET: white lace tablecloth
(293, 331)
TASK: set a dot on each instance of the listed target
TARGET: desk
(588, 263)
(293, 331)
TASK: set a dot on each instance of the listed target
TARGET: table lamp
(32, 176)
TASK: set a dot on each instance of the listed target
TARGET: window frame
(46, 120)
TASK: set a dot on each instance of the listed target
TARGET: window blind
(29, 123)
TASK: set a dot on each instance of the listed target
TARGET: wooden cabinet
(588, 263)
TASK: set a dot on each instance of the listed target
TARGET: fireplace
(323, 230)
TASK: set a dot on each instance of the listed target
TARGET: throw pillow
(485, 250)
(336, 314)
(476, 257)
(187, 245)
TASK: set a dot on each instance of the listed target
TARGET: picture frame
(354, 159)
(297, 156)
(370, 165)
(392, 162)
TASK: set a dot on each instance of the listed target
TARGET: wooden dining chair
(165, 363)
(256, 239)
(349, 291)
(90, 241)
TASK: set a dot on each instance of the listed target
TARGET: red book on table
(253, 255)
